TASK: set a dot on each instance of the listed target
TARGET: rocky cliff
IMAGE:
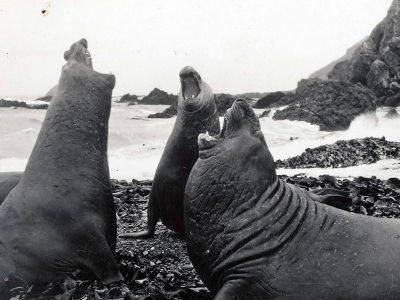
(376, 63)
(324, 71)
(331, 104)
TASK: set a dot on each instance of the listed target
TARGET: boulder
(269, 100)
(169, 112)
(360, 63)
(393, 101)
(159, 97)
(328, 103)
(265, 113)
(378, 77)
(128, 98)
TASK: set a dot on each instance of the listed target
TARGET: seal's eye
(256, 133)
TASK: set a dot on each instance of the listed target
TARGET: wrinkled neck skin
(74, 132)
(197, 115)
(241, 167)
(233, 174)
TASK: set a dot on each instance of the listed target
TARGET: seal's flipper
(152, 218)
(101, 263)
(333, 197)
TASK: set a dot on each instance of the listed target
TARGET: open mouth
(190, 87)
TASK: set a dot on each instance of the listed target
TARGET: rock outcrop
(223, 101)
(376, 63)
(169, 112)
(269, 100)
(159, 97)
(324, 71)
(265, 113)
(330, 104)
(130, 99)
(14, 103)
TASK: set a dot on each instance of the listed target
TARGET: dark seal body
(8, 180)
(252, 236)
(197, 112)
(61, 215)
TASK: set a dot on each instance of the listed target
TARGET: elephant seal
(61, 217)
(197, 112)
(252, 236)
(8, 180)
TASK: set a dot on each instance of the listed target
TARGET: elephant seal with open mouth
(197, 112)
(61, 217)
(251, 236)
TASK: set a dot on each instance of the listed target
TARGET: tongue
(206, 141)
(191, 88)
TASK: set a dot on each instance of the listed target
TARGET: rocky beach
(336, 133)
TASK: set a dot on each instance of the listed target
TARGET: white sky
(236, 45)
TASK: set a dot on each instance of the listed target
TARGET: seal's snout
(79, 52)
(206, 141)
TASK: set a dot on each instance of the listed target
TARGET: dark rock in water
(330, 104)
(128, 98)
(344, 154)
(13, 103)
(376, 63)
(38, 106)
(392, 114)
(159, 97)
(49, 94)
(269, 100)
(393, 183)
(169, 112)
(393, 101)
(265, 113)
